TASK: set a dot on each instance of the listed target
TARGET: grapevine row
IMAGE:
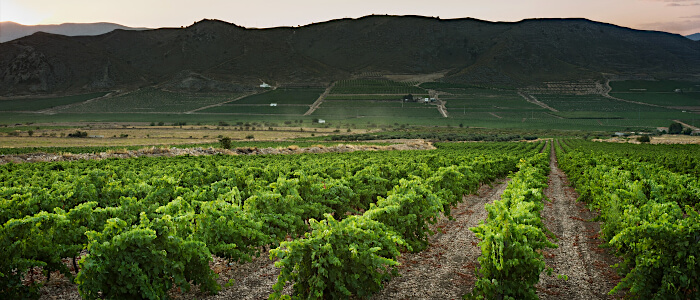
(149, 224)
(650, 217)
(513, 236)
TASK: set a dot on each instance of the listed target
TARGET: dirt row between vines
(579, 255)
(446, 269)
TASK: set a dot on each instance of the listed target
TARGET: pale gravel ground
(173, 151)
(579, 255)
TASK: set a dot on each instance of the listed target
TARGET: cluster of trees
(677, 128)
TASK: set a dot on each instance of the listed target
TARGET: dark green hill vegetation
(213, 56)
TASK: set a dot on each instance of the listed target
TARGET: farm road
(320, 99)
(579, 255)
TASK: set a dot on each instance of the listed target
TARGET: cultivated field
(372, 214)
(376, 101)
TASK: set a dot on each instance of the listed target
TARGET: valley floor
(446, 270)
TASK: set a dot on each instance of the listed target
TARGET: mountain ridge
(12, 30)
(232, 57)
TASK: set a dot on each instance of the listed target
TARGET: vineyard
(648, 202)
(284, 96)
(593, 103)
(150, 223)
(337, 225)
(375, 86)
(151, 99)
(45, 103)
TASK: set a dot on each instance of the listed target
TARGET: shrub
(225, 142)
(644, 139)
(78, 134)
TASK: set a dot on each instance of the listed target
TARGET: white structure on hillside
(321, 121)
(265, 85)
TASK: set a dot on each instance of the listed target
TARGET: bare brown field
(156, 135)
(664, 139)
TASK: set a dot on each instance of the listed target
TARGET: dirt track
(579, 255)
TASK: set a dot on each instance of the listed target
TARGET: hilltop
(220, 56)
(11, 31)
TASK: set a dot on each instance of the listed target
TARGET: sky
(676, 16)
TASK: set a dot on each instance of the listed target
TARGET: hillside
(694, 36)
(11, 30)
(216, 55)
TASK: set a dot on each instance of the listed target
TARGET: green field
(386, 112)
(585, 115)
(654, 86)
(368, 97)
(664, 93)
(369, 103)
(35, 104)
(586, 102)
(378, 101)
(375, 86)
(284, 96)
(150, 99)
(663, 99)
(505, 103)
(250, 109)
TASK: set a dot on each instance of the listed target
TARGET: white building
(265, 85)
(321, 121)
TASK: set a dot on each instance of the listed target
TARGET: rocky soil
(579, 255)
(169, 152)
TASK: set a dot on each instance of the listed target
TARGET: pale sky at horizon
(676, 16)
